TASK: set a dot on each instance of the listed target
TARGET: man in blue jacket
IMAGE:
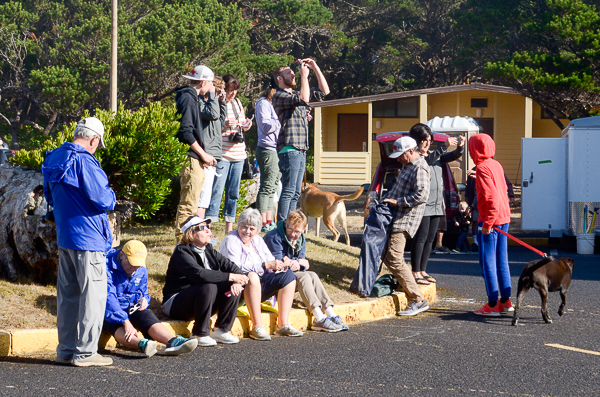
(127, 301)
(77, 188)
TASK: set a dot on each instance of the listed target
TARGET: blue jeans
(493, 258)
(229, 180)
(462, 240)
(291, 165)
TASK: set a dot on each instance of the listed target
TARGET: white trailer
(560, 176)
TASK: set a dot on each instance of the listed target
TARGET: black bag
(247, 172)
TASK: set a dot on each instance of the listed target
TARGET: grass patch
(26, 305)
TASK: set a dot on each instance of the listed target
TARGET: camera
(296, 65)
(237, 137)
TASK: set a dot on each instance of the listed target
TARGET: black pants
(199, 302)
(141, 320)
(422, 242)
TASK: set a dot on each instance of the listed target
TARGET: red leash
(520, 242)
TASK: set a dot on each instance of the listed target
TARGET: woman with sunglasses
(201, 282)
(267, 275)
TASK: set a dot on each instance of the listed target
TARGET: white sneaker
(205, 341)
(94, 361)
(223, 337)
(259, 333)
(326, 325)
(288, 330)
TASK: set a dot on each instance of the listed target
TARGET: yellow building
(346, 152)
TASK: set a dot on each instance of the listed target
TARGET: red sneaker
(486, 310)
(505, 308)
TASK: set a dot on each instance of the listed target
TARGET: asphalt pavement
(446, 351)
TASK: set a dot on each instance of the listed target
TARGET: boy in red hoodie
(494, 210)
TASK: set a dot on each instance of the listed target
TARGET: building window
(479, 102)
(398, 108)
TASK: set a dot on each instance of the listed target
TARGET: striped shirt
(411, 189)
(233, 151)
(291, 110)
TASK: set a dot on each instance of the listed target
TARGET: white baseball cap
(200, 73)
(402, 145)
(193, 221)
(94, 125)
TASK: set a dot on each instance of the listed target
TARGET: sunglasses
(200, 228)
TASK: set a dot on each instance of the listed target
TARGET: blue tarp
(374, 238)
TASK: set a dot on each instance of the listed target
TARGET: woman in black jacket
(200, 282)
(434, 209)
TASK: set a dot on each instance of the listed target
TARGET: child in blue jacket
(127, 304)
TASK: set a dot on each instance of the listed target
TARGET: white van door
(544, 184)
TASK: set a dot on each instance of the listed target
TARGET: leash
(524, 244)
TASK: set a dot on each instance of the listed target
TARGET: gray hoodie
(435, 159)
(212, 113)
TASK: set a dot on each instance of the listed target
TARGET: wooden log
(27, 243)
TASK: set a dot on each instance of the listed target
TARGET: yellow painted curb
(25, 342)
(5, 339)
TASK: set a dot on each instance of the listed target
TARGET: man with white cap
(409, 194)
(191, 176)
(77, 188)
(128, 301)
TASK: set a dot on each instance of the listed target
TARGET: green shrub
(142, 154)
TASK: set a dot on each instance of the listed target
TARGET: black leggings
(422, 242)
(199, 302)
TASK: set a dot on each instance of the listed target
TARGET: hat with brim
(94, 125)
(136, 253)
(200, 73)
(193, 221)
(402, 145)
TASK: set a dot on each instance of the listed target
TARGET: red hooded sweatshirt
(492, 192)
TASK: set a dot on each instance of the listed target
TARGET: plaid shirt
(411, 190)
(291, 111)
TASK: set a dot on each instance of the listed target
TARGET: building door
(487, 126)
(353, 132)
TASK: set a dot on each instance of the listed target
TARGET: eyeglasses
(294, 231)
(200, 228)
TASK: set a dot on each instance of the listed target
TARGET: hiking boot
(488, 311)
(94, 361)
(505, 308)
(259, 333)
(326, 325)
(337, 320)
(180, 345)
(223, 337)
(288, 330)
(148, 347)
(205, 341)
(414, 308)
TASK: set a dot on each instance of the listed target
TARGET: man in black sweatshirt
(191, 176)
